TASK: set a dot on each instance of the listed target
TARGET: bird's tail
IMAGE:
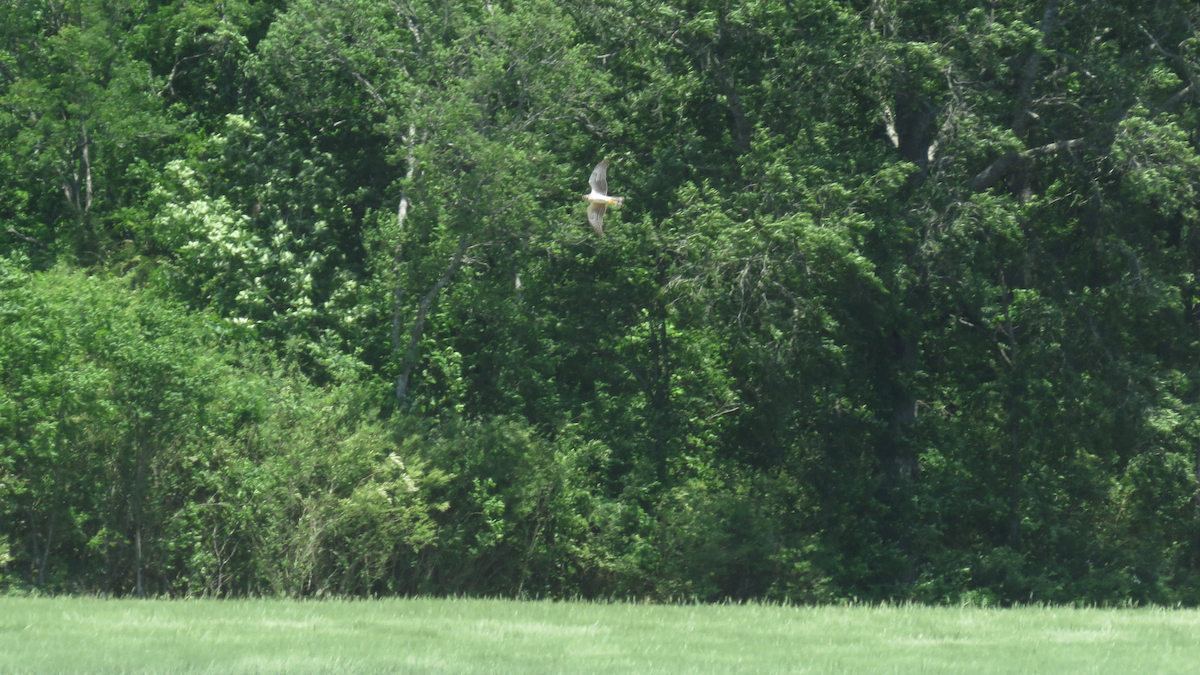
(618, 201)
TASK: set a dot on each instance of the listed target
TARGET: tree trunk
(1013, 535)
(42, 557)
(418, 329)
(1196, 494)
(141, 586)
(1021, 115)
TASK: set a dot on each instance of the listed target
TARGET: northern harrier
(598, 198)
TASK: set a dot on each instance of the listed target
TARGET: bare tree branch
(996, 170)
(1179, 60)
(1057, 146)
(170, 86)
(26, 238)
(1179, 97)
(1025, 94)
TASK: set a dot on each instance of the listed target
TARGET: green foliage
(901, 304)
(144, 452)
(82, 122)
(104, 392)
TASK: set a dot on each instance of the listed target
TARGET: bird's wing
(599, 179)
(596, 217)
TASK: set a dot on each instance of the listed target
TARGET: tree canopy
(300, 298)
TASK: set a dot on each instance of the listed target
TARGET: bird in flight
(598, 198)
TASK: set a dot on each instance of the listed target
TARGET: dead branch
(26, 238)
(996, 170)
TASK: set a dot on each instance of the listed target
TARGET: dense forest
(299, 298)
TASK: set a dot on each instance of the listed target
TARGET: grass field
(83, 635)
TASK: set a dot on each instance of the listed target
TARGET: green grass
(83, 635)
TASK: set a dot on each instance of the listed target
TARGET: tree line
(298, 297)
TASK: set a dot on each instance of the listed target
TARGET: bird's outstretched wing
(596, 217)
(599, 179)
